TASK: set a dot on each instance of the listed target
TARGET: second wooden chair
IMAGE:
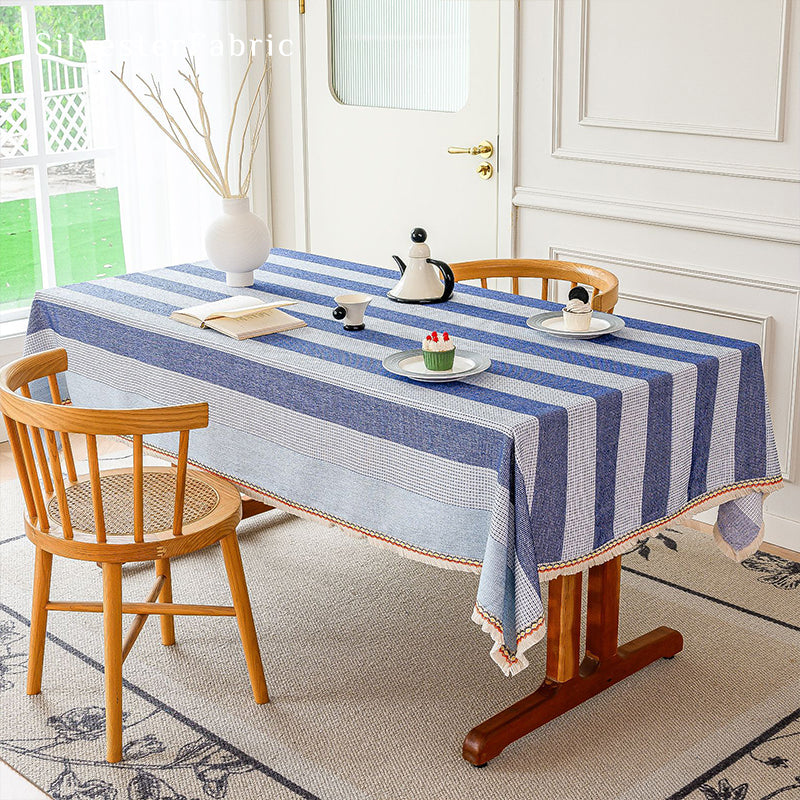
(604, 284)
(115, 517)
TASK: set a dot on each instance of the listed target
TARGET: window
(59, 207)
(411, 54)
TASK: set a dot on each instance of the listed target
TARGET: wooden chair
(604, 283)
(115, 517)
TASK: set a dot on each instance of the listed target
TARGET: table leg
(251, 507)
(567, 684)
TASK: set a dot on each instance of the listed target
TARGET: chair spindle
(39, 447)
(97, 494)
(22, 472)
(66, 446)
(483, 283)
(515, 285)
(180, 483)
(58, 480)
(138, 488)
(545, 288)
(33, 477)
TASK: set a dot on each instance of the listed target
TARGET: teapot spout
(400, 264)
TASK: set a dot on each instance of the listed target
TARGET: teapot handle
(447, 274)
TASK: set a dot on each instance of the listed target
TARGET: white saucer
(411, 364)
(552, 322)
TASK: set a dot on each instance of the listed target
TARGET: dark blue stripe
(609, 416)
(707, 376)
(453, 306)
(467, 333)
(685, 333)
(470, 443)
(334, 355)
(549, 504)
(637, 324)
(751, 418)
(655, 491)
(148, 279)
(566, 384)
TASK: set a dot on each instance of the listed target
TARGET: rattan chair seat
(117, 490)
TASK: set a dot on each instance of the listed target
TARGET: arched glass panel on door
(410, 54)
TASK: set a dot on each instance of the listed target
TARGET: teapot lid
(419, 235)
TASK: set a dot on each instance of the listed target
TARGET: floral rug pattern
(163, 757)
(168, 757)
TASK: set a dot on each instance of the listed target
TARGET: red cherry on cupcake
(446, 336)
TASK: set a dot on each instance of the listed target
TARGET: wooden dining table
(552, 462)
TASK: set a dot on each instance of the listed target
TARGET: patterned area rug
(374, 692)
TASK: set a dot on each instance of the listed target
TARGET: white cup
(350, 310)
(577, 320)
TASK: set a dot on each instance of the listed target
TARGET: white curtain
(165, 205)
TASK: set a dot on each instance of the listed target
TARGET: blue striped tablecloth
(556, 458)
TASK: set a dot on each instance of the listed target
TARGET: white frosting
(437, 347)
(576, 306)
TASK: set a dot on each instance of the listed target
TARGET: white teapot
(421, 281)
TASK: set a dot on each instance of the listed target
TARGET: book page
(235, 306)
(255, 324)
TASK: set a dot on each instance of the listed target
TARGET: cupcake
(438, 352)
(577, 312)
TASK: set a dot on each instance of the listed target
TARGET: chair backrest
(28, 421)
(604, 284)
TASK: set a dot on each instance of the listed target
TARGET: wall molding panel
(670, 215)
(784, 382)
(739, 168)
(773, 133)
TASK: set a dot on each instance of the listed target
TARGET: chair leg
(112, 628)
(41, 594)
(165, 596)
(244, 616)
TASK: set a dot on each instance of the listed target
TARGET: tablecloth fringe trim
(513, 663)
(357, 532)
(700, 504)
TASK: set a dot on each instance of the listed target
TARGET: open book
(240, 317)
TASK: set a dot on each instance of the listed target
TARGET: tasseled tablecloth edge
(513, 663)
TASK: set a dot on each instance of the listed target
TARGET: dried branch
(168, 133)
(235, 110)
(267, 70)
(209, 167)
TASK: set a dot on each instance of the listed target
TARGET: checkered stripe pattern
(555, 459)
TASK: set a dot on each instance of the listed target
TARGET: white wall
(658, 138)
(661, 139)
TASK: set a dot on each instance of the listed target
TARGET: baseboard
(767, 547)
(780, 533)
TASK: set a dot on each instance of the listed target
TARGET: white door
(390, 86)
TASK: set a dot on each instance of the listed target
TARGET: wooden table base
(568, 682)
(251, 507)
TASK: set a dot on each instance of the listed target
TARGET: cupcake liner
(437, 360)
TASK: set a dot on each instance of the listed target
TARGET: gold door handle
(484, 149)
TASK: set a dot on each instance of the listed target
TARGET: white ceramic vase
(238, 242)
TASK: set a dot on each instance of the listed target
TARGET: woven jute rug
(376, 673)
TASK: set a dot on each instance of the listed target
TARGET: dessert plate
(410, 364)
(552, 322)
